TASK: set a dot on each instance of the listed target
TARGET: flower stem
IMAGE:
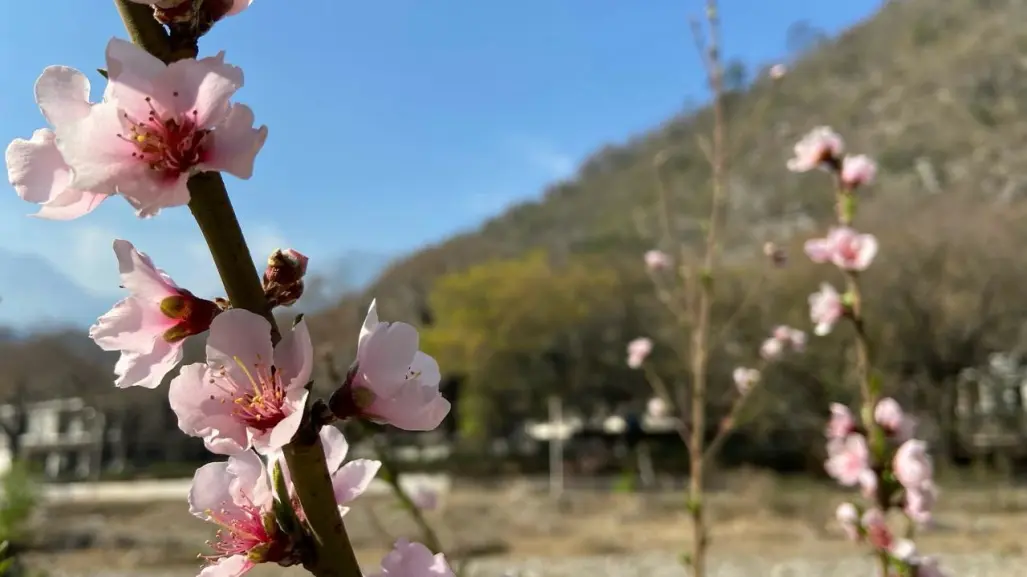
(333, 554)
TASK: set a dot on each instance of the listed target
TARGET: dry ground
(753, 514)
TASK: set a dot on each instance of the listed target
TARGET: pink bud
(842, 422)
(912, 465)
(825, 308)
(893, 420)
(848, 517)
(745, 379)
(778, 71)
(657, 260)
(822, 146)
(858, 171)
(638, 351)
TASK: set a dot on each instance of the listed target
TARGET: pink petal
(233, 566)
(250, 484)
(294, 356)
(235, 143)
(129, 66)
(237, 335)
(238, 6)
(867, 251)
(62, 94)
(203, 88)
(335, 446)
(818, 250)
(147, 369)
(140, 276)
(413, 409)
(101, 159)
(370, 322)
(39, 175)
(205, 412)
(209, 490)
(350, 481)
(385, 356)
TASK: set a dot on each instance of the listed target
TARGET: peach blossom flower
(846, 248)
(247, 394)
(825, 308)
(857, 171)
(409, 559)
(638, 351)
(848, 459)
(150, 326)
(657, 260)
(820, 146)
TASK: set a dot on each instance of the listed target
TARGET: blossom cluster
(156, 126)
(878, 454)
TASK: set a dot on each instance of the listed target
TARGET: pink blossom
(912, 465)
(745, 379)
(657, 408)
(877, 531)
(150, 326)
(919, 503)
(160, 125)
(778, 71)
(842, 422)
(797, 339)
(638, 351)
(825, 308)
(868, 484)
(246, 394)
(657, 260)
(822, 145)
(36, 168)
(772, 349)
(236, 495)
(349, 480)
(846, 248)
(394, 381)
(848, 459)
(409, 559)
(222, 7)
(889, 415)
(858, 171)
(848, 517)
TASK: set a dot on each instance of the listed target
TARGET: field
(764, 526)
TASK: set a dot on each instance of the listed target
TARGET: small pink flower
(150, 326)
(888, 413)
(745, 379)
(395, 382)
(160, 125)
(797, 339)
(821, 146)
(413, 560)
(919, 503)
(657, 408)
(848, 517)
(877, 531)
(36, 168)
(848, 459)
(912, 465)
(236, 495)
(349, 480)
(825, 308)
(772, 349)
(858, 171)
(638, 351)
(778, 71)
(842, 422)
(846, 248)
(657, 260)
(247, 394)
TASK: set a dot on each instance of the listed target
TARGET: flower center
(261, 405)
(241, 532)
(170, 146)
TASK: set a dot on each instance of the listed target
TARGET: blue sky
(392, 123)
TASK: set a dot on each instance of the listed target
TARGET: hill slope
(933, 90)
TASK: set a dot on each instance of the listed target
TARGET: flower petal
(353, 478)
(62, 94)
(294, 356)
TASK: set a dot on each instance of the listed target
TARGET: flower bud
(283, 277)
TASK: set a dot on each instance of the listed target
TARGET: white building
(63, 437)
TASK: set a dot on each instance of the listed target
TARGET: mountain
(42, 298)
(933, 90)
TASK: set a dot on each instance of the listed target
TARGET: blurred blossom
(638, 351)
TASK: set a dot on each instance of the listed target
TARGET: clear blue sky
(394, 122)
